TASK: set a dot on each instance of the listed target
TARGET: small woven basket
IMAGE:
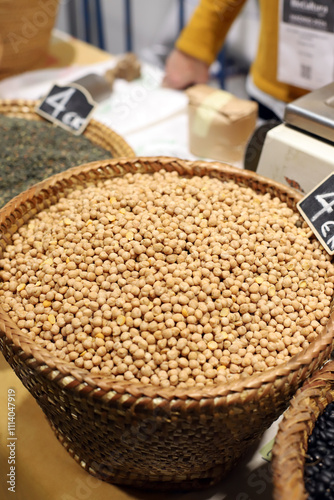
(297, 425)
(25, 31)
(138, 434)
(99, 134)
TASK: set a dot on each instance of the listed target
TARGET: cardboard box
(220, 124)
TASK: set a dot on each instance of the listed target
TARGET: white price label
(306, 43)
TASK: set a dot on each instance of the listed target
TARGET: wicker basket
(96, 132)
(297, 425)
(138, 434)
(25, 29)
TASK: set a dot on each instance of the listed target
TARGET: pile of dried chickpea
(168, 280)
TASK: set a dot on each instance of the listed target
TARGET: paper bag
(220, 124)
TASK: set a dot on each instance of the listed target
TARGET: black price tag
(68, 106)
(317, 208)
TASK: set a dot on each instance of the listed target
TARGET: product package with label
(220, 124)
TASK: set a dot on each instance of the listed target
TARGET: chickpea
(161, 281)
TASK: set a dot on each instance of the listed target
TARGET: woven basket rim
(243, 388)
(114, 143)
(297, 425)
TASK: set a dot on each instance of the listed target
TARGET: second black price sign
(317, 208)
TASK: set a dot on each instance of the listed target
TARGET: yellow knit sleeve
(204, 35)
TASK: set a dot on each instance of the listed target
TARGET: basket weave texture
(96, 132)
(297, 425)
(138, 434)
(25, 31)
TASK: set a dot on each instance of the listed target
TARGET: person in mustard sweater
(201, 40)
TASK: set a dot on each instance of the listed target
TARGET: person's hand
(182, 70)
